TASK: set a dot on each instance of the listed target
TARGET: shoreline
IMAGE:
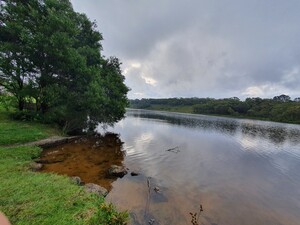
(217, 115)
(46, 142)
(43, 198)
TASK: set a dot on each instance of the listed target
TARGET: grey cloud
(202, 47)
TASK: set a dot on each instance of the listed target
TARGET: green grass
(29, 198)
(18, 132)
(34, 198)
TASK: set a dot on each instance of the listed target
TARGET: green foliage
(109, 216)
(280, 108)
(282, 98)
(17, 132)
(7, 102)
(50, 61)
(25, 116)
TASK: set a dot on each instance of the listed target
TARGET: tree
(109, 89)
(51, 54)
(15, 66)
(282, 98)
(297, 99)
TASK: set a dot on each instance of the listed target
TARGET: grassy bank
(16, 132)
(33, 198)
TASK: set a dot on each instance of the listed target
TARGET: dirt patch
(87, 157)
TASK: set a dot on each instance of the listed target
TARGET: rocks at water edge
(49, 161)
(117, 171)
(96, 189)
(35, 166)
(134, 174)
(156, 189)
(77, 180)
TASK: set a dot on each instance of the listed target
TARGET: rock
(53, 141)
(117, 171)
(48, 161)
(76, 180)
(35, 166)
(134, 173)
(156, 189)
(40, 161)
(96, 189)
(151, 221)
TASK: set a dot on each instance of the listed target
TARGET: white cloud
(150, 80)
(139, 94)
(136, 65)
(253, 91)
(206, 48)
(265, 90)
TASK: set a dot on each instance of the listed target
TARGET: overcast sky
(202, 48)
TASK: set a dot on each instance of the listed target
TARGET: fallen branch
(174, 150)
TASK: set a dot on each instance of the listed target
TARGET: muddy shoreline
(95, 159)
(53, 141)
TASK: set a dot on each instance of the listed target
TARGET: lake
(241, 171)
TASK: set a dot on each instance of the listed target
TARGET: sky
(202, 48)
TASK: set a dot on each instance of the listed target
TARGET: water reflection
(241, 171)
(275, 132)
(89, 158)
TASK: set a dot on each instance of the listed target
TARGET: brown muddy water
(89, 158)
(240, 171)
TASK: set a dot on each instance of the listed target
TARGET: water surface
(240, 171)
(88, 158)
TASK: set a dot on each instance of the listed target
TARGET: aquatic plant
(111, 215)
(196, 216)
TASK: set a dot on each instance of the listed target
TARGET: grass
(35, 198)
(29, 198)
(19, 132)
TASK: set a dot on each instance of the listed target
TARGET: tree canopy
(281, 108)
(50, 60)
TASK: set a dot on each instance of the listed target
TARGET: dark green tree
(15, 65)
(297, 99)
(282, 98)
(51, 54)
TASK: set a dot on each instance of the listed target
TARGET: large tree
(51, 54)
(282, 98)
(15, 66)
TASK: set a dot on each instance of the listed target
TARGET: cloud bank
(202, 48)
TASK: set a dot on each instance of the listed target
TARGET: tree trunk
(21, 104)
(44, 107)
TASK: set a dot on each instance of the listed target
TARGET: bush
(7, 101)
(26, 116)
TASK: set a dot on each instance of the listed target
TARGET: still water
(240, 171)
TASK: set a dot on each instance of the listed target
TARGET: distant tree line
(280, 108)
(51, 63)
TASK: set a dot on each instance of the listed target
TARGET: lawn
(28, 197)
(18, 132)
